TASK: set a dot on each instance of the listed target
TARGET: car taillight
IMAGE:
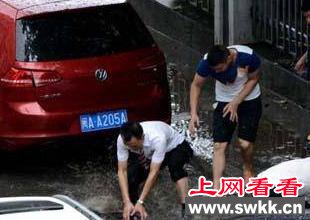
(45, 78)
(17, 78)
(27, 78)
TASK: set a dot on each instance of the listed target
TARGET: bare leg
(182, 188)
(246, 148)
(218, 163)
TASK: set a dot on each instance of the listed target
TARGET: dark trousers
(174, 159)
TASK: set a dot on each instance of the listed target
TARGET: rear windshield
(81, 33)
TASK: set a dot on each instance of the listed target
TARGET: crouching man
(142, 149)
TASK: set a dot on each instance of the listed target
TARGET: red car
(70, 68)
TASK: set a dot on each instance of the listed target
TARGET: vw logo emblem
(101, 74)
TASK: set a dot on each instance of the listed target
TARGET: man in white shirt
(146, 147)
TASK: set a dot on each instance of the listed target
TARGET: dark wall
(182, 39)
(174, 25)
(286, 83)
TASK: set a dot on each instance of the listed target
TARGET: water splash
(201, 143)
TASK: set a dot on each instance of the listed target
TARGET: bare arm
(301, 63)
(123, 181)
(232, 107)
(304, 57)
(151, 179)
(249, 86)
(195, 92)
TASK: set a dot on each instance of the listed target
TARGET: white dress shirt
(159, 138)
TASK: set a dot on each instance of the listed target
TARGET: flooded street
(86, 169)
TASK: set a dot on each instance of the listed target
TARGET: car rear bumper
(23, 124)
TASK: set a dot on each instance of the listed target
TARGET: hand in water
(139, 209)
(194, 124)
(128, 209)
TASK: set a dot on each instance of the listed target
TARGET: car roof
(47, 208)
(31, 7)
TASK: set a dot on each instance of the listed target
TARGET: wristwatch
(140, 202)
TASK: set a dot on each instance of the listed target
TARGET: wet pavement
(190, 9)
(85, 169)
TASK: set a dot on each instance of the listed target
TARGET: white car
(58, 207)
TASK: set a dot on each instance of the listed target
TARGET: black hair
(305, 5)
(217, 54)
(131, 129)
